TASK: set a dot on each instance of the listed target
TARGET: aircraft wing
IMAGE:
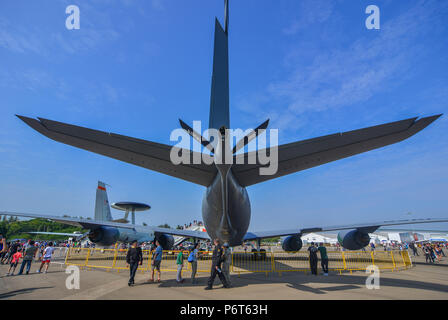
(57, 233)
(365, 227)
(310, 153)
(92, 224)
(146, 154)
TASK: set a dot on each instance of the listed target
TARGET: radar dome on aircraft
(130, 207)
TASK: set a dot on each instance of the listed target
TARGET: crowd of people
(191, 224)
(221, 260)
(24, 253)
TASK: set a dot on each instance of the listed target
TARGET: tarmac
(423, 281)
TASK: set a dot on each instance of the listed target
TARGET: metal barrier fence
(242, 262)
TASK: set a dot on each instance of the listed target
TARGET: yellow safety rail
(263, 262)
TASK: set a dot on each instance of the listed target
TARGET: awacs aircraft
(104, 231)
(226, 208)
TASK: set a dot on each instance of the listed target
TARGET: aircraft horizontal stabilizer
(146, 154)
(301, 155)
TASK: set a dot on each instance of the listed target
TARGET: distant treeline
(12, 228)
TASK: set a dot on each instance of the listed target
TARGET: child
(14, 262)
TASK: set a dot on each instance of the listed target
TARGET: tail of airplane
(102, 208)
(219, 99)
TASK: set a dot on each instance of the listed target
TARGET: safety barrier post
(87, 257)
(393, 260)
(373, 259)
(66, 255)
(115, 257)
(343, 260)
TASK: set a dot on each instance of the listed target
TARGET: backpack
(191, 256)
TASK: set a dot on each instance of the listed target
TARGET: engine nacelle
(353, 239)
(104, 236)
(166, 241)
(292, 243)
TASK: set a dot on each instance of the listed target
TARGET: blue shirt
(194, 255)
(158, 253)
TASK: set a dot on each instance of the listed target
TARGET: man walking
(28, 257)
(134, 258)
(313, 258)
(226, 263)
(46, 257)
(217, 259)
(323, 258)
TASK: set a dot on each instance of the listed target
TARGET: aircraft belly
(238, 215)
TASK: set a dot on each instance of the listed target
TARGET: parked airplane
(226, 208)
(105, 231)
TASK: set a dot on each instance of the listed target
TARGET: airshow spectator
(217, 259)
(313, 258)
(193, 259)
(46, 257)
(180, 265)
(14, 262)
(13, 249)
(134, 258)
(226, 263)
(414, 249)
(323, 258)
(3, 248)
(156, 261)
(28, 257)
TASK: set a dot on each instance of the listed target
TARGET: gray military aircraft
(104, 231)
(226, 207)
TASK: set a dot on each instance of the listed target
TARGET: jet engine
(104, 236)
(292, 243)
(353, 239)
(165, 240)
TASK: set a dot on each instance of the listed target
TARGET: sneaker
(208, 288)
(7, 274)
(45, 271)
(37, 271)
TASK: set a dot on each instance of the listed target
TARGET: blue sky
(310, 66)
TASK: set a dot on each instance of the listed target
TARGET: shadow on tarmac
(301, 282)
(21, 291)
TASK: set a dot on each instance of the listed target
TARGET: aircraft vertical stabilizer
(219, 99)
(102, 208)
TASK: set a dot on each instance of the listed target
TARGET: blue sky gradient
(312, 67)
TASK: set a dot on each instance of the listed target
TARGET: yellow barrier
(263, 262)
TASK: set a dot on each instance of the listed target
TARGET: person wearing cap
(226, 263)
(134, 258)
